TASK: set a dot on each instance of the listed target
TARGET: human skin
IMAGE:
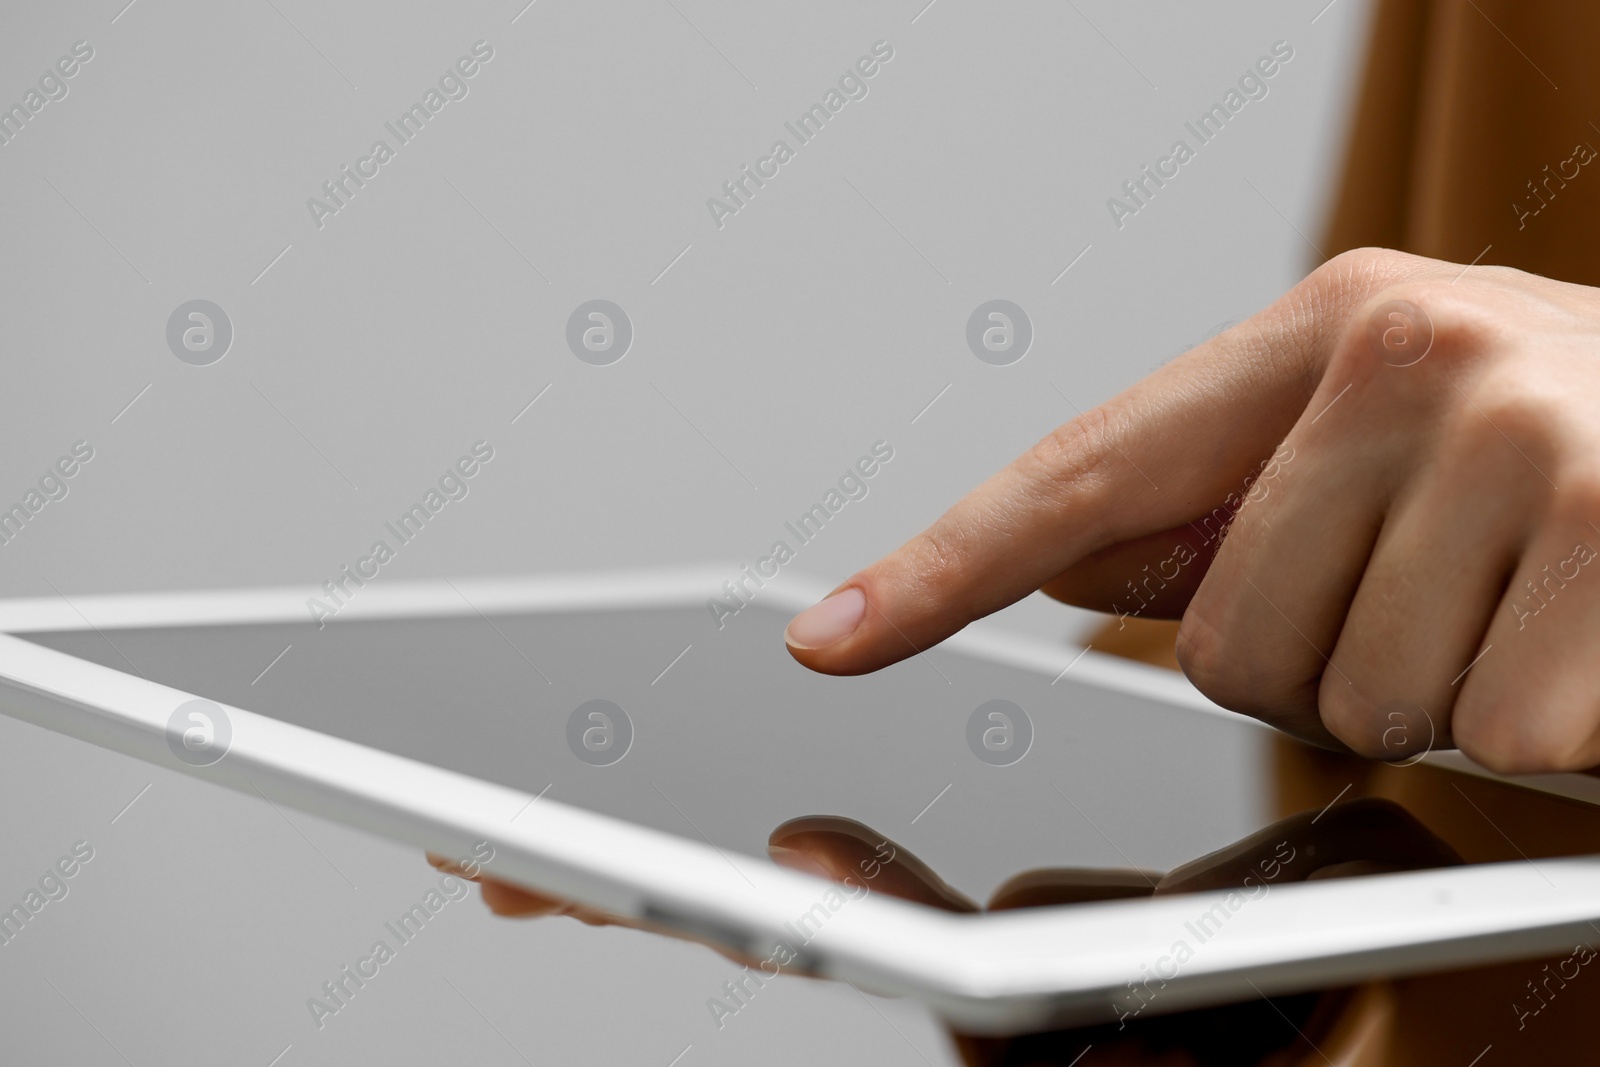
(1413, 572)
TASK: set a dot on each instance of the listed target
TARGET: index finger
(1164, 453)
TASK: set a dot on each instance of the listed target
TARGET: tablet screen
(658, 717)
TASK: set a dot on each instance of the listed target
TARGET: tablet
(614, 740)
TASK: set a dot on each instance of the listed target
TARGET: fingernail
(828, 622)
(798, 861)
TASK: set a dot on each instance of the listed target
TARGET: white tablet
(612, 743)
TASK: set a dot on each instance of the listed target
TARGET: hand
(1357, 837)
(1405, 458)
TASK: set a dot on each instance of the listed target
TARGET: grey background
(767, 357)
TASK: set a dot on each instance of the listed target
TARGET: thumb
(1166, 453)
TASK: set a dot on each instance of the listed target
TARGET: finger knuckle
(1412, 321)
(1073, 460)
(1360, 270)
(1512, 407)
(1576, 505)
(1352, 719)
(1526, 743)
(1207, 660)
(938, 550)
(1078, 445)
(1507, 418)
(1358, 723)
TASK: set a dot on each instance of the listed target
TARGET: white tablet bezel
(1007, 972)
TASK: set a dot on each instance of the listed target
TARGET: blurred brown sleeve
(1465, 136)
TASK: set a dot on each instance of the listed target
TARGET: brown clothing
(1477, 125)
